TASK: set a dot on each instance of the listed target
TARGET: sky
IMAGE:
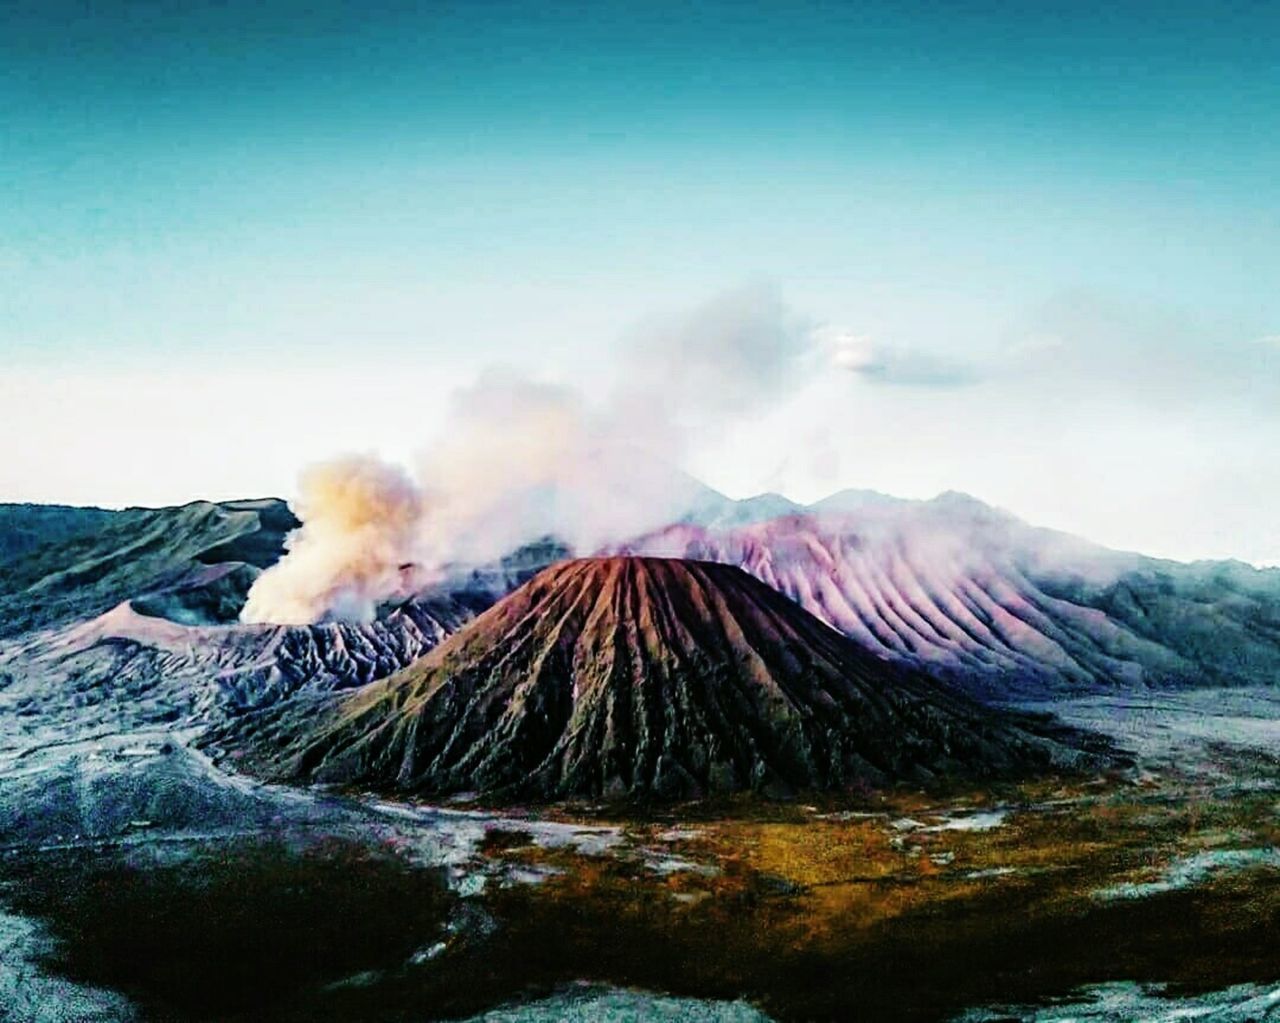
(1030, 251)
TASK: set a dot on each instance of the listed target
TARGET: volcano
(641, 677)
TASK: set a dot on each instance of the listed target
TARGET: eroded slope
(973, 596)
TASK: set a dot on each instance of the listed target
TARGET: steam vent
(636, 677)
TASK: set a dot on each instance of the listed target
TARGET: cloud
(1118, 351)
(1143, 427)
(702, 370)
(875, 362)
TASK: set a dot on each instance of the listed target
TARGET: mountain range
(961, 591)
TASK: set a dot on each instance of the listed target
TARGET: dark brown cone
(650, 677)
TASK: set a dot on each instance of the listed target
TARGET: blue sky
(314, 220)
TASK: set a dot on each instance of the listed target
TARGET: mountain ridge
(964, 591)
(136, 552)
(1004, 609)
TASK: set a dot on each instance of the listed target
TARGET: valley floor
(139, 882)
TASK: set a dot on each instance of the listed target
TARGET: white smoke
(519, 459)
(358, 545)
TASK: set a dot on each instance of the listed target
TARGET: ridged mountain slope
(976, 597)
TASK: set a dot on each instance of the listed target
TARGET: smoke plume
(357, 546)
(520, 459)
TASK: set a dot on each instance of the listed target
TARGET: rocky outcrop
(642, 677)
(124, 668)
(341, 655)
